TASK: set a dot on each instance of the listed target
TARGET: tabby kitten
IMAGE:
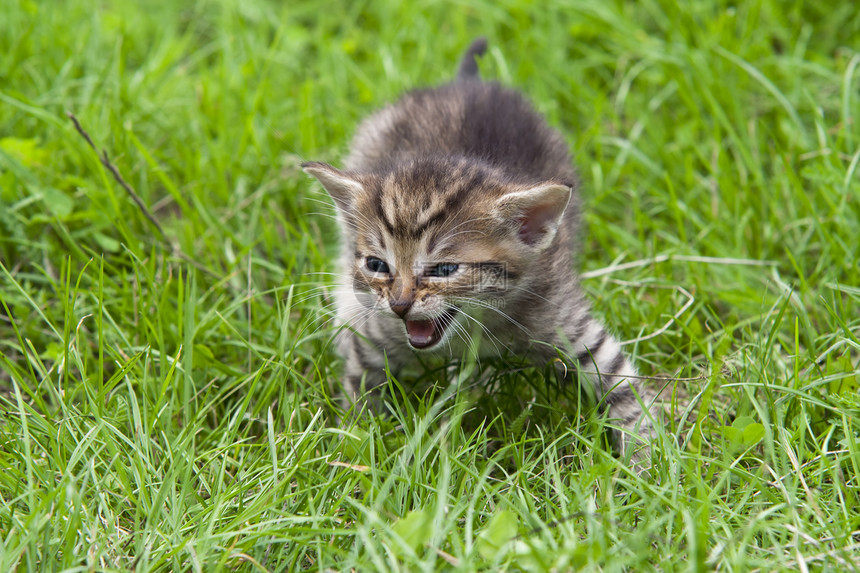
(458, 205)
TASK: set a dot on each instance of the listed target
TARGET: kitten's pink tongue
(420, 332)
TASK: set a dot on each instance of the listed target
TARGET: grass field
(167, 384)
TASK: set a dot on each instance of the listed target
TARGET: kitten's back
(482, 121)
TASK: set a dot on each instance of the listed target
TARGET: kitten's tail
(468, 69)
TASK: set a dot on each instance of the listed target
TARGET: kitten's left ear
(342, 188)
(537, 211)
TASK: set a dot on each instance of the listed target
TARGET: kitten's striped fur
(440, 191)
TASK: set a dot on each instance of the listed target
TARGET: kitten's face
(435, 282)
(433, 247)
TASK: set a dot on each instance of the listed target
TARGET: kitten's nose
(400, 306)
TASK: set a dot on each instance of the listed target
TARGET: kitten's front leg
(617, 383)
(364, 373)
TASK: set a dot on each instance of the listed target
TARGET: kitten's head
(433, 236)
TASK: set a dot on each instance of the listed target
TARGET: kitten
(458, 205)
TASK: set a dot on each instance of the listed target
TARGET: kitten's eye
(376, 265)
(441, 270)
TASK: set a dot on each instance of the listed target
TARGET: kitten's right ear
(342, 188)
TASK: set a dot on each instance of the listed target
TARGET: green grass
(167, 402)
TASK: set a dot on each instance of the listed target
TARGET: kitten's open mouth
(426, 333)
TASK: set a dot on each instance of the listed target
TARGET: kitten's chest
(489, 334)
